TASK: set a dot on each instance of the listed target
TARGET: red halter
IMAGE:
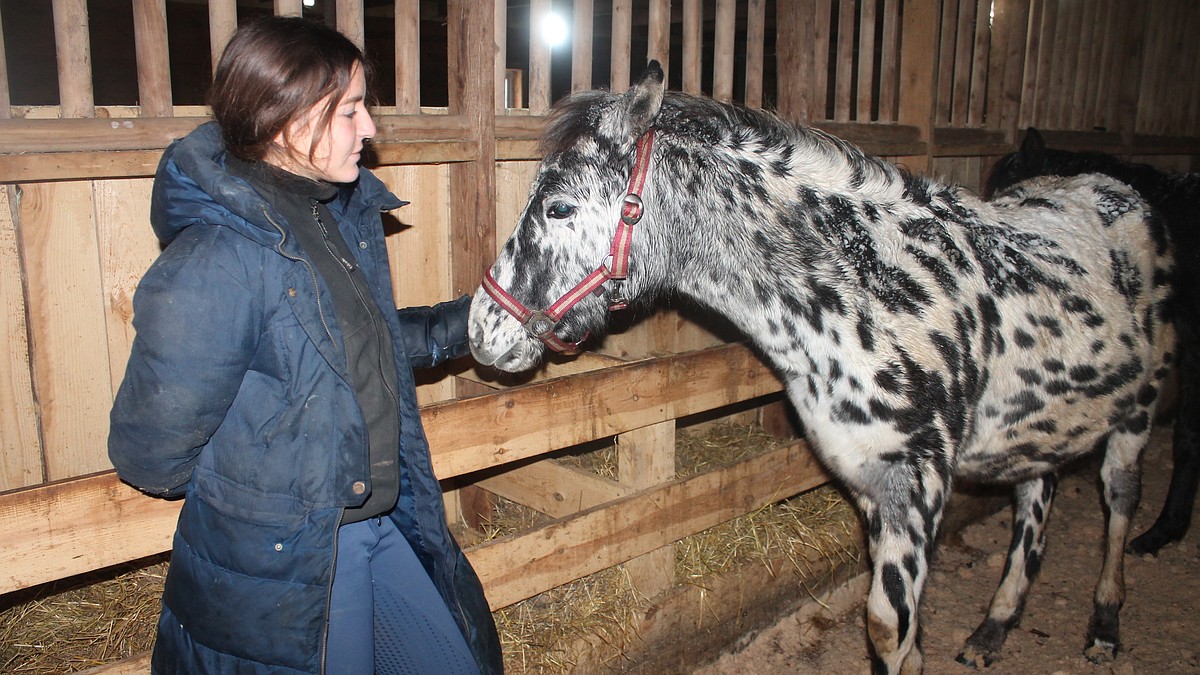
(541, 323)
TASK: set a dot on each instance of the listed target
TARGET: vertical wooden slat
(622, 32)
(844, 78)
(222, 24)
(1123, 99)
(964, 40)
(69, 348)
(724, 28)
(74, 50)
(289, 7)
(821, 37)
(581, 46)
(866, 61)
(1029, 76)
(794, 60)
(756, 31)
(659, 40)
(693, 45)
(918, 74)
(472, 184)
(1191, 114)
(979, 63)
(890, 61)
(1100, 51)
(1043, 87)
(1066, 61)
(1007, 65)
(1085, 71)
(20, 440)
(646, 457)
(944, 98)
(500, 74)
(349, 21)
(539, 59)
(153, 57)
(408, 56)
(5, 95)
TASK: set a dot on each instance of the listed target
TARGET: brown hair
(273, 71)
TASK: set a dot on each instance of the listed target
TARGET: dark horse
(1176, 198)
(922, 333)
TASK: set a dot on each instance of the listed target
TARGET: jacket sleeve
(432, 335)
(197, 331)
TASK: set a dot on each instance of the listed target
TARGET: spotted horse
(922, 334)
(1176, 197)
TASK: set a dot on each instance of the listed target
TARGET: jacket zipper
(312, 274)
(329, 593)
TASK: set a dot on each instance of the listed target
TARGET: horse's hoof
(974, 658)
(1151, 541)
(1101, 651)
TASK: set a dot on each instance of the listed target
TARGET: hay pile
(110, 615)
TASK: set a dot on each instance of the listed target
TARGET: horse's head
(565, 264)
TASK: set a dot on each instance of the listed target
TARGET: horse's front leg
(1121, 476)
(902, 521)
(1031, 507)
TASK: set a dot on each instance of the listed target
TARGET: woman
(270, 383)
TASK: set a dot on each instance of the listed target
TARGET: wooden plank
(1007, 64)
(127, 246)
(1029, 78)
(408, 56)
(622, 38)
(520, 566)
(645, 458)
(1085, 70)
(490, 431)
(980, 56)
(944, 99)
(963, 44)
(822, 26)
(555, 489)
(918, 73)
(1065, 62)
(73, 48)
(20, 442)
(512, 188)
(1124, 97)
(222, 24)
(500, 75)
(844, 79)
(659, 34)
(756, 31)
(153, 57)
(794, 58)
(581, 45)
(1044, 88)
(539, 59)
(5, 92)
(67, 325)
(289, 7)
(723, 33)
(866, 61)
(888, 68)
(472, 209)
(349, 21)
(693, 45)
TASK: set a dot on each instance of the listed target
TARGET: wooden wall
(942, 86)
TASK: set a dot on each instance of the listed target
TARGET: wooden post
(723, 32)
(350, 21)
(918, 56)
(581, 46)
(472, 55)
(645, 458)
(5, 96)
(693, 45)
(659, 45)
(844, 73)
(222, 24)
(153, 57)
(408, 56)
(622, 29)
(1007, 63)
(289, 8)
(889, 65)
(539, 59)
(866, 61)
(74, 49)
(794, 62)
(756, 27)
(501, 74)
(1124, 99)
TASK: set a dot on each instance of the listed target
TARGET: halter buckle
(539, 325)
(631, 211)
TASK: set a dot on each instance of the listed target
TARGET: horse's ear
(1033, 148)
(644, 98)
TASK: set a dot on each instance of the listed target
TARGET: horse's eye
(559, 210)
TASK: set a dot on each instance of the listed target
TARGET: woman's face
(337, 153)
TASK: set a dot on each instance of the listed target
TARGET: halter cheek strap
(615, 267)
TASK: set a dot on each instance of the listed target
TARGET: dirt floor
(1160, 623)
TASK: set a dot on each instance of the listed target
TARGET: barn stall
(941, 86)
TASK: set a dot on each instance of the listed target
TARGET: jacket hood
(192, 185)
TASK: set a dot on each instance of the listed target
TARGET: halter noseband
(615, 266)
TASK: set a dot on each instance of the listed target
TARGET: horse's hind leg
(1176, 515)
(901, 535)
(1121, 476)
(1031, 508)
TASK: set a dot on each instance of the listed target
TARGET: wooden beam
(222, 24)
(153, 57)
(553, 488)
(73, 47)
(723, 40)
(349, 21)
(581, 45)
(523, 565)
(622, 29)
(645, 458)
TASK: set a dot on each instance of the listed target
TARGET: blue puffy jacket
(237, 396)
